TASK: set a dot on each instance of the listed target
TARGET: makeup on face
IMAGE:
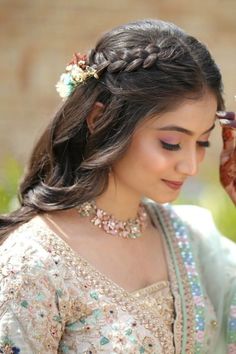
(183, 130)
(173, 184)
(173, 143)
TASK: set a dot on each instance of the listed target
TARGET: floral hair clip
(77, 71)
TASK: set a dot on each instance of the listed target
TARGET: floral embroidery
(147, 345)
(122, 337)
(95, 290)
(181, 233)
(91, 350)
(94, 295)
(110, 313)
(231, 334)
(68, 307)
(104, 341)
(7, 346)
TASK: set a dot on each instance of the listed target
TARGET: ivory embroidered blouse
(53, 301)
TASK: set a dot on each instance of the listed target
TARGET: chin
(164, 199)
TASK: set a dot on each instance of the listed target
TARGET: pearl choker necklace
(131, 228)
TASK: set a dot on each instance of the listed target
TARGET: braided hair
(146, 67)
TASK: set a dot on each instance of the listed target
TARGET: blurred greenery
(221, 207)
(10, 174)
(208, 194)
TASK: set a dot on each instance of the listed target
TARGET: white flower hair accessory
(77, 71)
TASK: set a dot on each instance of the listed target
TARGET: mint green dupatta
(203, 276)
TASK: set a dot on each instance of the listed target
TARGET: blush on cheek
(151, 158)
(202, 155)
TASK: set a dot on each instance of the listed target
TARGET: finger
(229, 138)
(228, 123)
(226, 115)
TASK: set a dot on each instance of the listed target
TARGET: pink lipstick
(173, 184)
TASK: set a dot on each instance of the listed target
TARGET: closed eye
(176, 147)
(204, 144)
(172, 147)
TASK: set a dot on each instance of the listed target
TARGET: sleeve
(217, 258)
(31, 300)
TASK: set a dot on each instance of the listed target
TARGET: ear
(95, 113)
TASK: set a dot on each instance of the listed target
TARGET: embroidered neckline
(95, 279)
(157, 286)
(92, 268)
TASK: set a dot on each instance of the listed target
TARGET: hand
(228, 154)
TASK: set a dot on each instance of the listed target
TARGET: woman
(95, 260)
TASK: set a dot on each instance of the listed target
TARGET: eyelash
(176, 147)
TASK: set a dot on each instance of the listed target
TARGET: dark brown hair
(144, 67)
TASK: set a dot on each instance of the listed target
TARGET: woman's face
(166, 150)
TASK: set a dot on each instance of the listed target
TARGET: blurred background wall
(38, 38)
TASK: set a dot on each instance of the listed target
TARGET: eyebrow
(183, 130)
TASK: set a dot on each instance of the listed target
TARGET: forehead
(194, 115)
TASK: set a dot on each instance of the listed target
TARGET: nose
(188, 165)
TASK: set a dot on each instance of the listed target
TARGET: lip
(173, 184)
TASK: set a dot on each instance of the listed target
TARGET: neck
(119, 201)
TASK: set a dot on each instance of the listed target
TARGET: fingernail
(226, 115)
(224, 121)
(230, 115)
(228, 122)
(233, 124)
(221, 114)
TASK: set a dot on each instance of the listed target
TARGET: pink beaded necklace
(131, 228)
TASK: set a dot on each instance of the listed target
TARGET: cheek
(201, 155)
(148, 157)
(153, 157)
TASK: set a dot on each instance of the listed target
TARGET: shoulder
(199, 219)
(190, 215)
(25, 262)
(34, 299)
(23, 245)
(198, 222)
(202, 224)
(207, 241)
